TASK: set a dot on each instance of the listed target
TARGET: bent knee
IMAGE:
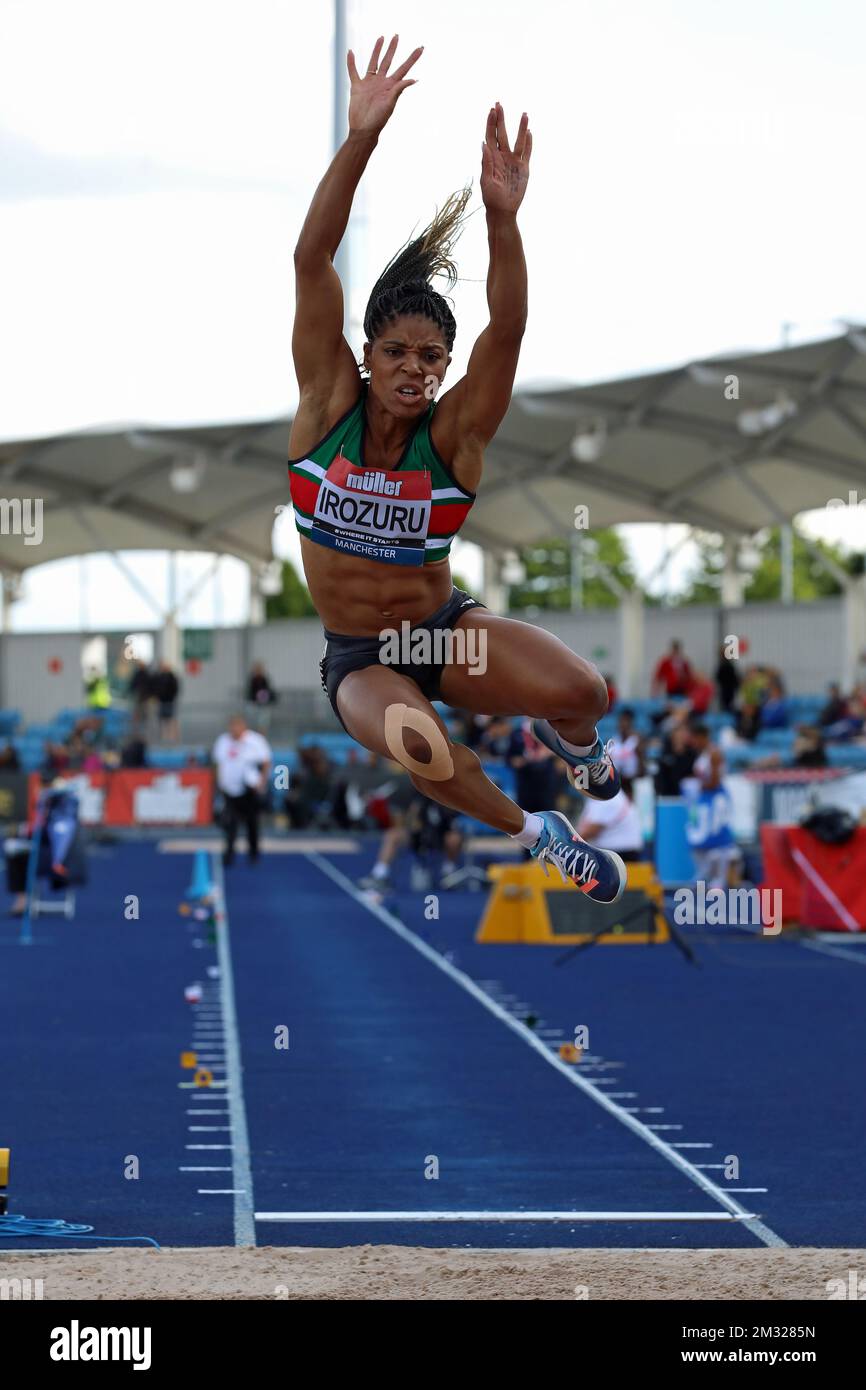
(420, 745)
(583, 692)
(462, 760)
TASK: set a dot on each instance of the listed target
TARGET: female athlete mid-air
(383, 475)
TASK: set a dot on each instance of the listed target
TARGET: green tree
(811, 580)
(704, 581)
(548, 566)
(293, 601)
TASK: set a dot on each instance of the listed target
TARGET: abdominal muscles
(358, 597)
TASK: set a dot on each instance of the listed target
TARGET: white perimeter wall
(805, 641)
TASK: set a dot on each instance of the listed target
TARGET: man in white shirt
(243, 763)
(614, 824)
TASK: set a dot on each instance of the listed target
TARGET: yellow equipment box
(526, 906)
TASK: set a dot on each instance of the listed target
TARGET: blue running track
(411, 1082)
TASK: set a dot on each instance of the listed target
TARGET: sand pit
(406, 1272)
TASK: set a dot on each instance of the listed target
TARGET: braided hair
(403, 287)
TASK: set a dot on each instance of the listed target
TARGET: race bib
(382, 515)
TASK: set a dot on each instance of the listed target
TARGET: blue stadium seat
(772, 740)
(9, 721)
(846, 755)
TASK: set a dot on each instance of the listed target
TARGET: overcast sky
(697, 184)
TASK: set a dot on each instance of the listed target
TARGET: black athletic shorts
(344, 654)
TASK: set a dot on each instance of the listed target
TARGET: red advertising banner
(146, 796)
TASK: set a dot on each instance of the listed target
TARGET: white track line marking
(662, 1146)
(209, 1129)
(837, 951)
(204, 1169)
(334, 1216)
(219, 1191)
(209, 1146)
(244, 1224)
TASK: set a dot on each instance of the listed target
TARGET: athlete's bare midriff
(358, 597)
(353, 595)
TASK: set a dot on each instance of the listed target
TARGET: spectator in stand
(748, 721)
(165, 687)
(836, 708)
(133, 752)
(9, 761)
(91, 728)
(537, 770)
(261, 696)
(754, 688)
(701, 693)
(676, 761)
(496, 739)
(673, 674)
(852, 722)
(92, 761)
(139, 691)
(311, 794)
(809, 750)
(56, 760)
(614, 824)
(774, 710)
(627, 746)
(727, 680)
(97, 689)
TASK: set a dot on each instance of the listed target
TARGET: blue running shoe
(594, 775)
(599, 873)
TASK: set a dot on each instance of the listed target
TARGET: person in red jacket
(701, 693)
(673, 674)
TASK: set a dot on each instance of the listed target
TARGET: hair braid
(403, 287)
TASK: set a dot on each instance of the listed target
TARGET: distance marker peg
(569, 1053)
(188, 1060)
(203, 1077)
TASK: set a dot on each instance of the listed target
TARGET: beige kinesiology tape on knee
(399, 717)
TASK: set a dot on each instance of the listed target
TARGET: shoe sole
(623, 878)
(621, 868)
(584, 791)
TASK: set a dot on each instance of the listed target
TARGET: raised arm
(475, 406)
(319, 349)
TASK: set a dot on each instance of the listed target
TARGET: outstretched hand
(374, 96)
(504, 172)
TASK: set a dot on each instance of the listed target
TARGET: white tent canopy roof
(729, 444)
(679, 446)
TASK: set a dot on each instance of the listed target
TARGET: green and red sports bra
(407, 515)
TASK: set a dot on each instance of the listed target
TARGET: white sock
(380, 870)
(532, 828)
(576, 748)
